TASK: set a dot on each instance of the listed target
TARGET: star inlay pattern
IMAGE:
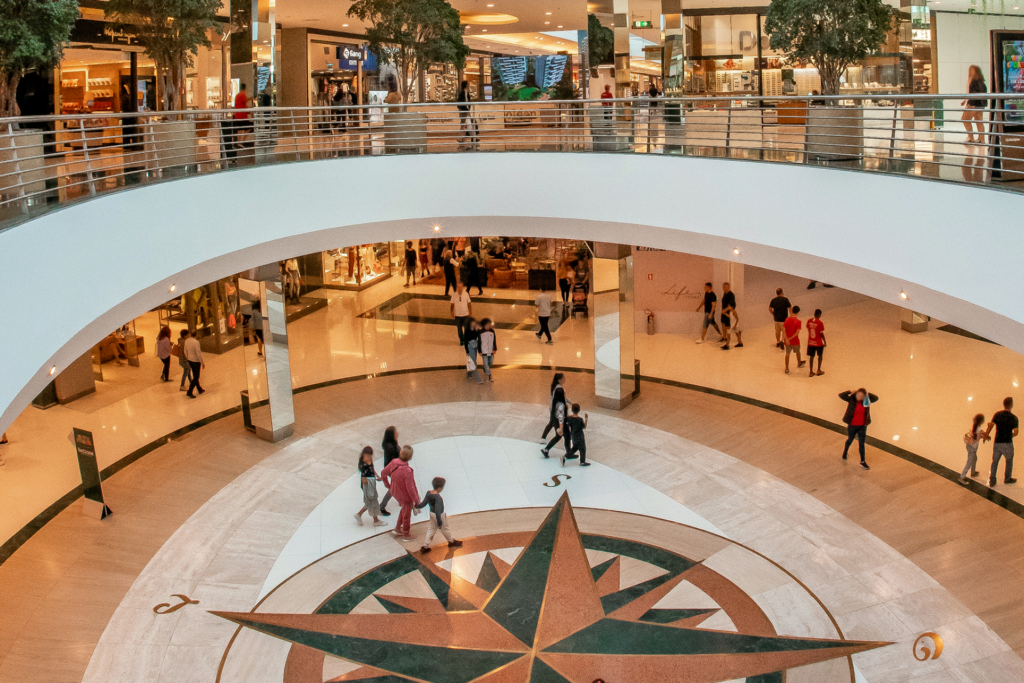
(547, 618)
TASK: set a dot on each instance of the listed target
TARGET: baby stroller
(580, 290)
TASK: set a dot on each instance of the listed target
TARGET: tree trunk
(8, 94)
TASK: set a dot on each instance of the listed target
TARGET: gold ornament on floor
(922, 652)
(556, 481)
(185, 600)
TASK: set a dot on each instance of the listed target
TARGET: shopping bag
(470, 365)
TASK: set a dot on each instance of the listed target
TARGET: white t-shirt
(192, 350)
(543, 305)
(461, 303)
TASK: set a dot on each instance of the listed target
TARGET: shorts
(258, 331)
(709, 320)
(813, 351)
(793, 347)
(780, 327)
(726, 320)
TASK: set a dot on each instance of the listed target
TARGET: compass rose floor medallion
(541, 596)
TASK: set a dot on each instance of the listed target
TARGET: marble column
(614, 325)
(268, 376)
(623, 88)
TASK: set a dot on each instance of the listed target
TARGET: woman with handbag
(178, 351)
(559, 411)
(972, 439)
(164, 349)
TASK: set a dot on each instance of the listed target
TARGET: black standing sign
(92, 487)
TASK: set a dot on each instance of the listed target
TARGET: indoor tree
(411, 35)
(171, 31)
(830, 34)
(33, 34)
(600, 42)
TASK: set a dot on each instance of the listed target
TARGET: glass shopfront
(351, 268)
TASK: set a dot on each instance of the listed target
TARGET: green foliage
(600, 42)
(830, 34)
(33, 34)
(411, 35)
(171, 31)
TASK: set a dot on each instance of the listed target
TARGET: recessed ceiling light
(484, 30)
(547, 22)
(548, 13)
(53, 370)
(173, 287)
(903, 295)
(736, 251)
(344, 24)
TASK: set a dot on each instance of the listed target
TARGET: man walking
(543, 302)
(816, 341)
(779, 308)
(193, 353)
(1007, 426)
(461, 308)
(728, 315)
(709, 302)
(791, 331)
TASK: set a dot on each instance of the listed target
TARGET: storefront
(340, 67)
(349, 268)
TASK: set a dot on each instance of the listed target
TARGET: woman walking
(472, 345)
(402, 481)
(424, 258)
(488, 346)
(163, 352)
(563, 280)
(179, 351)
(390, 447)
(974, 109)
(368, 482)
(972, 439)
(857, 419)
(559, 410)
(449, 263)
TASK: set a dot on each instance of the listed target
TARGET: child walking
(401, 481)
(973, 439)
(368, 482)
(578, 444)
(437, 520)
(472, 341)
(488, 345)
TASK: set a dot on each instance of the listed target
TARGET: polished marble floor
(222, 518)
(931, 383)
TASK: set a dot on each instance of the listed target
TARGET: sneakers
(379, 522)
(844, 456)
(544, 452)
(550, 343)
(1009, 481)
(405, 538)
(359, 519)
(801, 364)
(584, 464)
(538, 335)
(455, 544)
(425, 549)
(726, 347)
(963, 482)
(384, 513)
(991, 483)
(699, 341)
(864, 465)
(563, 459)
(739, 346)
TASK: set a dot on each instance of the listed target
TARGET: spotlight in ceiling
(173, 287)
(903, 295)
(53, 370)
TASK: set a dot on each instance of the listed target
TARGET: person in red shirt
(241, 102)
(816, 341)
(791, 333)
(238, 125)
(607, 95)
(857, 419)
(401, 482)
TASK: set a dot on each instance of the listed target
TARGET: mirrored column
(615, 371)
(270, 412)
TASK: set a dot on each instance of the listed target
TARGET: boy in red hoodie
(400, 480)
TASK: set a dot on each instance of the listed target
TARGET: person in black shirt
(368, 483)
(559, 410)
(437, 520)
(779, 308)
(728, 308)
(391, 450)
(410, 263)
(576, 424)
(709, 302)
(1006, 426)
(449, 262)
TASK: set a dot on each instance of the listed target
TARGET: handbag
(176, 350)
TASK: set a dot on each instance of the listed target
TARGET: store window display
(356, 267)
(210, 313)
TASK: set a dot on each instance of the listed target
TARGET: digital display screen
(1013, 79)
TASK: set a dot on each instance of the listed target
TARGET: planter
(835, 132)
(21, 163)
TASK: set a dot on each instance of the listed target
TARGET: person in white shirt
(544, 313)
(461, 308)
(193, 353)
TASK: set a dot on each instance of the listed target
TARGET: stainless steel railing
(49, 161)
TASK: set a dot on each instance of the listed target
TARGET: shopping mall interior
(299, 377)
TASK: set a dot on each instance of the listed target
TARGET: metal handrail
(918, 135)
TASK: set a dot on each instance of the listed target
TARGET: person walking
(791, 332)
(472, 337)
(974, 109)
(578, 446)
(424, 258)
(815, 341)
(194, 355)
(972, 439)
(389, 446)
(562, 273)
(605, 96)
(857, 418)
(256, 325)
(179, 351)
(410, 263)
(1007, 426)
(401, 482)
(461, 308)
(488, 346)
(163, 352)
(728, 309)
(437, 520)
(450, 263)
(463, 107)
(779, 308)
(543, 302)
(559, 411)
(471, 272)
(709, 302)
(368, 483)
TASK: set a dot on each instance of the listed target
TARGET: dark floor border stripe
(65, 501)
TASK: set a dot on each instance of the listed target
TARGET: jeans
(544, 327)
(384, 502)
(999, 451)
(460, 325)
(471, 354)
(196, 367)
(565, 435)
(166, 374)
(488, 358)
(972, 461)
(859, 432)
(186, 374)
